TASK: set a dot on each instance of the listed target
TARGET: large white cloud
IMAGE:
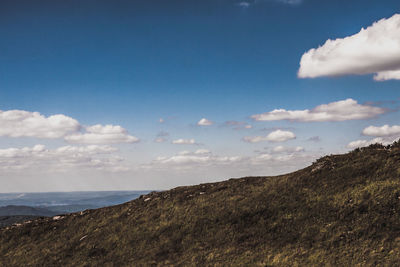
(62, 159)
(20, 123)
(342, 110)
(375, 49)
(275, 136)
(382, 131)
(99, 134)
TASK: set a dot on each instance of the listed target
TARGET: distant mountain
(343, 210)
(13, 210)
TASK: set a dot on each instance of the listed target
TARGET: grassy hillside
(343, 210)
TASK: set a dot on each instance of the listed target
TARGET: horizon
(102, 96)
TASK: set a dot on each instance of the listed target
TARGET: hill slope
(342, 210)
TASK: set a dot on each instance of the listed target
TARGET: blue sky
(127, 64)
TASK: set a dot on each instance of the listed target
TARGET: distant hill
(12, 210)
(343, 210)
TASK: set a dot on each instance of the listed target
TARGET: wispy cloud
(184, 142)
(62, 159)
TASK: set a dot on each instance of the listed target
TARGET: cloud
(275, 136)
(161, 120)
(62, 159)
(383, 135)
(382, 131)
(342, 110)
(363, 143)
(238, 125)
(243, 4)
(99, 134)
(204, 122)
(184, 142)
(290, 2)
(375, 49)
(387, 75)
(187, 160)
(20, 123)
(160, 140)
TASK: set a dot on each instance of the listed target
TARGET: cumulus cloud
(99, 134)
(342, 110)
(20, 123)
(375, 49)
(382, 131)
(363, 143)
(204, 122)
(184, 142)
(383, 135)
(62, 159)
(275, 136)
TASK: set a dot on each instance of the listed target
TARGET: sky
(154, 94)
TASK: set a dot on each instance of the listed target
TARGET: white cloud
(342, 110)
(99, 134)
(161, 120)
(382, 131)
(204, 122)
(280, 136)
(187, 160)
(160, 140)
(290, 2)
(387, 75)
(20, 123)
(62, 159)
(275, 136)
(184, 142)
(243, 4)
(375, 49)
(363, 143)
(238, 125)
(202, 152)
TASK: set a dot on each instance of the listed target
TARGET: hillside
(12, 219)
(342, 210)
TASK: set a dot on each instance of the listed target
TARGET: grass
(342, 210)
